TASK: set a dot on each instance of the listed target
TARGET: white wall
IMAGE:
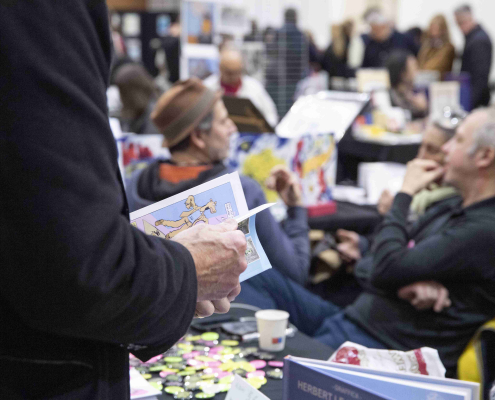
(314, 15)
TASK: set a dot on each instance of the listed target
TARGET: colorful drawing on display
(315, 164)
(138, 151)
(202, 68)
(200, 22)
(312, 158)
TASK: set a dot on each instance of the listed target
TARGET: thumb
(442, 300)
(406, 293)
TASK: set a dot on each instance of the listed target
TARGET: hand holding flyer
(210, 203)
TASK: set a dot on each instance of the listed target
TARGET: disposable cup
(272, 325)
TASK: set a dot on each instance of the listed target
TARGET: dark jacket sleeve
(480, 60)
(367, 62)
(287, 245)
(71, 262)
(459, 252)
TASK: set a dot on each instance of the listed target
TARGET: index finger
(427, 164)
(442, 300)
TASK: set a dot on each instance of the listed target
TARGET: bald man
(235, 83)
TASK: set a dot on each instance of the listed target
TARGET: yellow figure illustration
(189, 218)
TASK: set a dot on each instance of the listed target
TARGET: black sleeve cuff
(402, 202)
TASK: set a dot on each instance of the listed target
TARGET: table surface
(351, 152)
(300, 346)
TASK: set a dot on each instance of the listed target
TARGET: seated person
(352, 246)
(197, 130)
(235, 83)
(138, 94)
(453, 246)
(403, 67)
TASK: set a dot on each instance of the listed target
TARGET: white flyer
(241, 390)
(210, 203)
(140, 388)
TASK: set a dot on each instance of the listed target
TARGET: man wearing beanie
(79, 286)
(197, 130)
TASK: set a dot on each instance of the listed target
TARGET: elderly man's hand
(285, 183)
(219, 255)
(426, 295)
(419, 174)
(206, 308)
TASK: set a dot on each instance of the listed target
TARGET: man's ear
(197, 139)
(486, 157)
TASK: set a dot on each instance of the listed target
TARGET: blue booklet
(306, 379)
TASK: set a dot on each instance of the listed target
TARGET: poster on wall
(254, 54)
(233, 20)
(131, 24)
(200, 22)
(202, 68)
(200, 61)
(163, 22)
(134, 50)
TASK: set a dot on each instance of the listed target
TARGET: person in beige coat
(437, 52)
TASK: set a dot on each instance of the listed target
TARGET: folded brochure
(210, 203)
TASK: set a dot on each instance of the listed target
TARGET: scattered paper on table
(140, 388)
(241, 390)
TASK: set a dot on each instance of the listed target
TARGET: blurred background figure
(255, 35)
(403, 67)
(138, 94)
(119, 47)
(437, 52)
(335, 60)
(162, 79)
(415, 35)
(234, 82)
(383, 40)
(477, 56)
(287, 62)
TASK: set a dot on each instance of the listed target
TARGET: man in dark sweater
(198, 150)
(477, 56)
(452, 244)
(383, 40)
(80, 287)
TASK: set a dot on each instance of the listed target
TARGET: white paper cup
(272, 325)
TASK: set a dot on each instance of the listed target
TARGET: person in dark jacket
(477, 56)
(383, 40)
(287, 62)
(198, 150)
(451, 245)
(79, 286)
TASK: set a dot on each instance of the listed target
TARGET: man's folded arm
(461, 252)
